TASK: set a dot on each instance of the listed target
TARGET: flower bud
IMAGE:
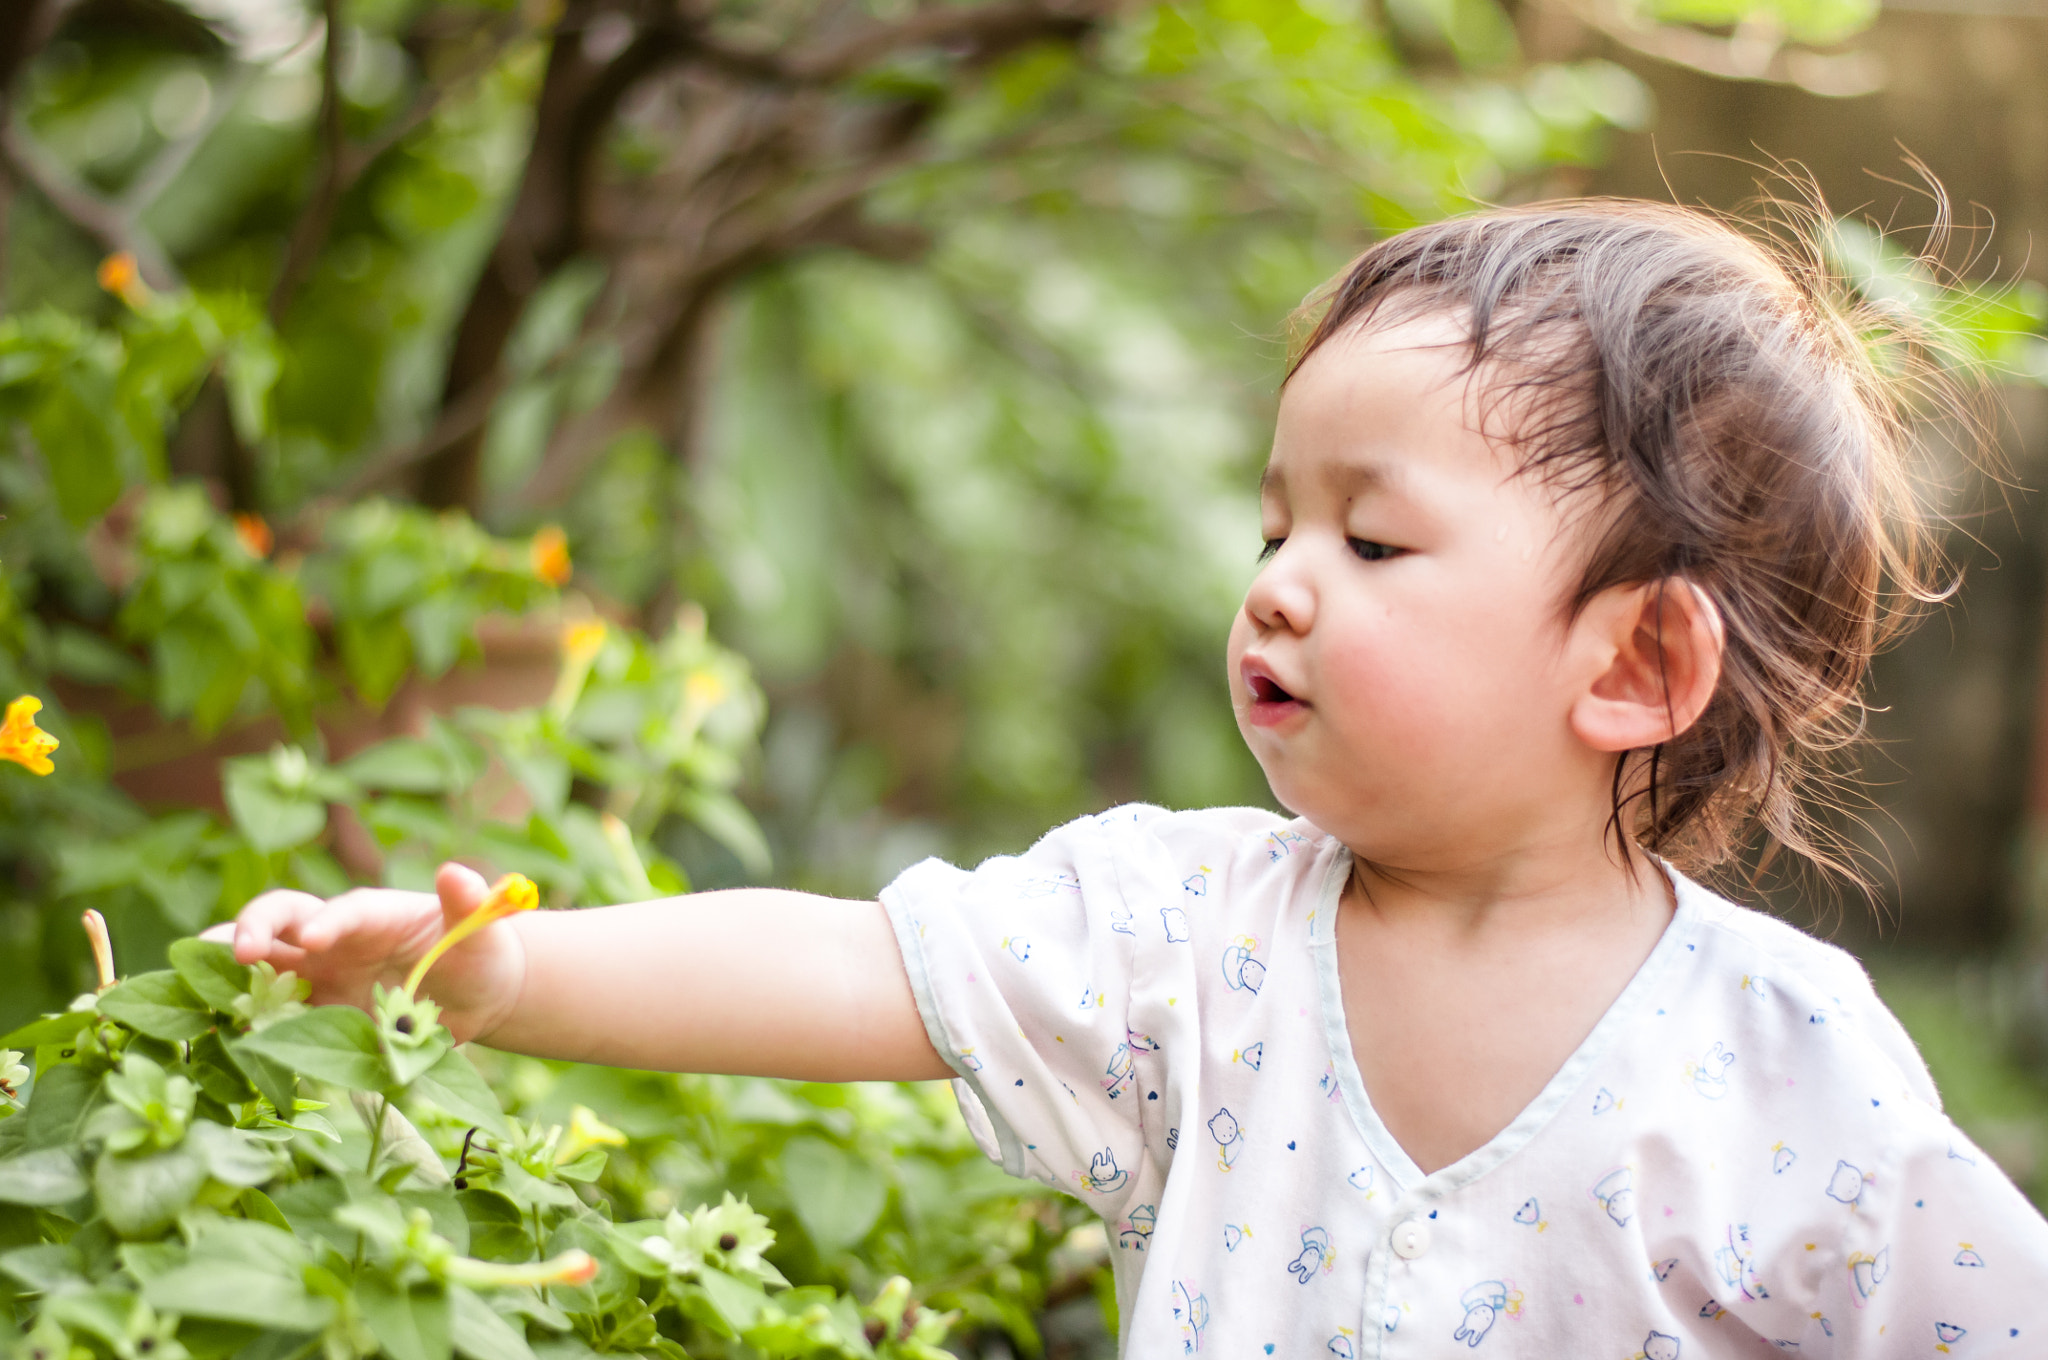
(511, 895)
(575, 1266)
(102, 946)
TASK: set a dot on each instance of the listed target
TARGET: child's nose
(1280, 597)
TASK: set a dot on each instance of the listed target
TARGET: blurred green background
(897, 375)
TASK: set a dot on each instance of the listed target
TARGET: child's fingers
(461, 889)
(266, 918)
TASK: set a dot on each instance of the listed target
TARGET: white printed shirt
(1746, 1156)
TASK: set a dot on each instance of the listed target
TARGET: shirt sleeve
(1956, 1262)
(1022, 970)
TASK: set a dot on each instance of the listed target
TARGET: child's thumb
(461, 890)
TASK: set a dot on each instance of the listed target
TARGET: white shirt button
(1411, 1239)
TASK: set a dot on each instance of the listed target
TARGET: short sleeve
(1954, 1260)
(1022, 970)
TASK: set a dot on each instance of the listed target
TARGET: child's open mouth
(1270, 700)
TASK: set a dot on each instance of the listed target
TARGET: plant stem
(377, 1138)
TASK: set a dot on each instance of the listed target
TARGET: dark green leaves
(332, 1043)
(160, 1005)
(210, 970)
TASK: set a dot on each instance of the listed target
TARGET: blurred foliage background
(888, 379)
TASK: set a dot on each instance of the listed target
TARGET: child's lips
(1270, 703)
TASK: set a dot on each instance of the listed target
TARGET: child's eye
(1370, 551)
(1272, 546)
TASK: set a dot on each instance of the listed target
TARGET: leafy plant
(200, 1165)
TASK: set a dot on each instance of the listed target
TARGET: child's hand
(345, 945)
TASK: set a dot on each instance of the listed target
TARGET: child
(1581, 522)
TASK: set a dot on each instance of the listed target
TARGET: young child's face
(1401, 666)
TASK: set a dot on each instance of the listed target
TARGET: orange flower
(22, 742)
(119, 275)
(510, 895)
(549, 555)
(253, 531)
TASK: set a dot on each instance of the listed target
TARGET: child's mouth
(1270, 701)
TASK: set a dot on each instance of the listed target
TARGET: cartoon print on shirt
(1867, 1272)
(1968, 1257)
(1658, 1346)
(1340, 1344)
(1135, 1232)
(1361, 1179)
(1243, 972)
(1946, 1332)
(1281, 844)
(1092, 1000)
(968, 1060)
(1660, 1271)
(1176, 924)
(1756, 987)
(1229, 1137)
(1737, 1263)
(1046, 887)
(1250, 1057)
(1616, 1193)
(1327, 1083)
(1782, 1158)
(1315, 1255)
(1234, 1235)
(1121, 1073)
(1531, 1215)
(1103, 1175)
(1191, 1312)
(1141, 1043)
(1197, 884)
(1019, 947)
(1603, 1101)
(1483, 1304)
(1846, 1184)
(1709, 1075)
(1120, 922)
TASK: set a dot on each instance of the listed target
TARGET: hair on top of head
(1743, 422)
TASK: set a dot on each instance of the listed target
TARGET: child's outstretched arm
(751, 980)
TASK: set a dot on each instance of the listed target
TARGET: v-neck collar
(1392, 1157)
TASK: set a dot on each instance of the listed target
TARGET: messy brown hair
(1744, 424)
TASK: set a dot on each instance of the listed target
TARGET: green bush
(203, 1166)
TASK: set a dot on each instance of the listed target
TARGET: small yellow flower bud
(511, 895)
(102, 946)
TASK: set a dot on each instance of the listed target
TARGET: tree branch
(86, 208)
(309, 233)
(1754, 51)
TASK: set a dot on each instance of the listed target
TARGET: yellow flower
(510, 895)
(22, 742)
(549, 555)
(586, 1131)
(119, 275)
(581, 642)
(254, 534)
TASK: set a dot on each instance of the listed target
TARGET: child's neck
(1466, 986)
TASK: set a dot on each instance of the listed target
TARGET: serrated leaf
(330, 1043)
(209, 969)
(42, 1178)
(159, 1005)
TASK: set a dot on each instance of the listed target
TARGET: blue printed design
(1234, 1235)
(1243, 972)
(1176, 924)
(1616, 1193)
(1315, 1255)
(1660, 1346)
(1135, 1232)
(1782, 1158)
(1191, 1314)
(1483, 1304)
(1250, 1057)
(1736, 1261)
(1846, 1184)
(1709, 1076)
(1229, 1137)
(1121, 1072)
(1103, 1176)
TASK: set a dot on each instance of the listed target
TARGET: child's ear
(1656, 657)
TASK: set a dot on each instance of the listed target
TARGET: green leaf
(329, 1043)
(216, 1071)
(43, 1178)
(272, 817)
(277, 1082)
(404, 765)
(62, 1096)
(261, 1208)
(231, 1157)
(51, 1029)
(159, 1005)
(210, 970)
(141, 1195)
(234, 1292)
(837, 1197)
(480, 1333)
(45, 1267)
(453, 1086)
(498, 1228)
(737, 1303)
(412, 1324)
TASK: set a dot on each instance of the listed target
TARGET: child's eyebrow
(1346, 479)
